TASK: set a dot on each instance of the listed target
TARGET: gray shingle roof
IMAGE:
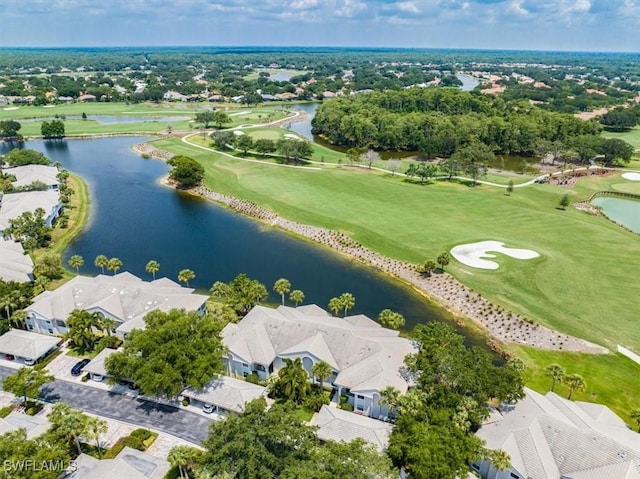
(129, 464)
(14, 204)
(34, 425)
(549, 436)
(338, 425)
(27, 174)
(26, 344)
(96, 366)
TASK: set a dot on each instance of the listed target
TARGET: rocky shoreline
(503, 325)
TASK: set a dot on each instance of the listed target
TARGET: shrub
(85, 378)
(253, 378)
(316, 400)
(5, 411)
(185, 402)
(346, 407)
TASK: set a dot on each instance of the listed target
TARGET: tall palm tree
(282, 287)
(186, 275)
(635, 415)
(19, 319)
(101, 262)
(335, 305)
(184, 457)
(292, 383)
(76, 261)
(391, 319)
(390, 397)
(321, 370)
(296, 297)
(107, 324)
(500, 460)
(153, 267)
(574, 382)
(81, 326)
(94, 428)
(114, 264)
(348, 301)
(556, 373)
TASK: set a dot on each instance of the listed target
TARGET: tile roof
(547, 436)
(15, 265)
(339, 425)
(26, 344)
(366, 355)
(228, 393)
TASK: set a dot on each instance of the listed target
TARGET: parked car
(208, 408)
(76, 370)
(9, 357)
(29, 362)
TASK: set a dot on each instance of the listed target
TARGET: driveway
(180, 423)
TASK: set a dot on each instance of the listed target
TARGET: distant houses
(14, 204)
(365, 358)
(124, 297)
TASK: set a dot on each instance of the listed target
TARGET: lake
(623, 211)
(136, 219)
(468, 82)
(113, 119)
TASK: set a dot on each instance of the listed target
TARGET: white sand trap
(471, 254)
(49, 106)
(291, 136)
(238, 133)
(11, 108)
(240, 113)
(626, 176)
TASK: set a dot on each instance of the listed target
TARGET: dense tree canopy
(190, 355)
(241, 294)
(186, 171)
(21, 157)
(437, 121)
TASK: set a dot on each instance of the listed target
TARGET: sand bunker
(238, 133)
(291, 136)
(240, 113)
(11, 108)
(631, 176)
(471, 254)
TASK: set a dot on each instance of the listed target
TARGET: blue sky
(585, 25)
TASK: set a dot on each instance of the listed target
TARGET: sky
(574, 25)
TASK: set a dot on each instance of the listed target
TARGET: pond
(623, 211)
(468, 82)
(136, 219)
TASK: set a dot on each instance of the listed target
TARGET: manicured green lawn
(632, 137)
(584, 283)
(611, 379)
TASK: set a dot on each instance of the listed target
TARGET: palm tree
(428, 267)
(94, 427)
(19, 319)
(41, 283)
(76, 262)
(443, 260)
(186, 275)
(107, 324)
(114, 264)
(81, 326)
(556, 373)
(391, 319)
(153, 267)
(101, 261)
(296, 297)
(335, 305)
(390, 397)
(635, 415)
(575, 382)
(184, 457)
(321, 370)
(68, 423)
(282, 287)
(500, 460)
(348, 301)
(292, 383)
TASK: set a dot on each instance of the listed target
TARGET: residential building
(226, 394)
(365, 357)
(15, 264)
(26, 346)
(96, 367)
(27, 174)
(34, 426)
(174, 96)
(549, 437)
(14, 204)
(128, 464)
(124, 297)
(339, 425)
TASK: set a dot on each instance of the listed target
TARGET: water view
(113, 119)
(136, 219)
(623, 211)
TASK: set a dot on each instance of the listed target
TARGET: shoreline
(444, 289)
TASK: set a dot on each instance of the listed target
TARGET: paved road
(180, 423)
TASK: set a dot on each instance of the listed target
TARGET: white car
(96, 377)
(208, 408)
(29, 362)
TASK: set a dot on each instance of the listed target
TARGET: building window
(50, 331)
(476, 466)
(515, 476)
